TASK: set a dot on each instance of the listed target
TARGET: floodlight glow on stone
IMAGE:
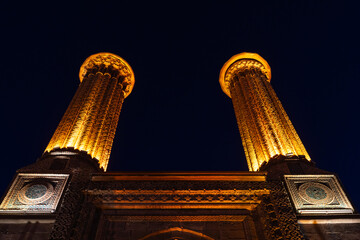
(90, 122)
(266, 130)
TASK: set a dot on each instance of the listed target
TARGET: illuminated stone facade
(67, 194)
(89, 123)
(265, 128)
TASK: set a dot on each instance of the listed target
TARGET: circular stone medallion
(316, 193)
(36, 192)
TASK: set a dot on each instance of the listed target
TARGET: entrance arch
(176, 233)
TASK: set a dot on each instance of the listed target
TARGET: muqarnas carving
(317, 194)
(34, 193)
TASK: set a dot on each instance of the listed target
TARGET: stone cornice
(240, 62)
(109, 60)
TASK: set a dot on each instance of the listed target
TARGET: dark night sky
(177, 117)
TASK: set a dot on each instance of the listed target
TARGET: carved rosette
(34, 193)
(266, 130)
(90, 122)
(317, 194)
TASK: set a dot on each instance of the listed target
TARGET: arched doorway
(176, 233)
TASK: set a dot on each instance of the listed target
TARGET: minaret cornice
(109, 63)
(241, 62)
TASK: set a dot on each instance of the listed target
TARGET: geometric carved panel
(177, 199)
(317, 194)
(34, 193)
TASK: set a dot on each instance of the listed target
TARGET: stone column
(89, 123)
(266, 130)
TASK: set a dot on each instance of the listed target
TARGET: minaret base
(278, 166)
(46, 197)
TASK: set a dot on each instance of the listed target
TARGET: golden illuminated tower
(266, 130)
(64, 195)
(89, 123)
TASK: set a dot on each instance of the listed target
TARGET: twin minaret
(266, 130)
(90, 122)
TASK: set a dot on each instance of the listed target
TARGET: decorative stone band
(235, 199)
(109, 63)
(240, 62)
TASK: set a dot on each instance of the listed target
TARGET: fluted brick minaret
(89, 123)
(266, 130)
